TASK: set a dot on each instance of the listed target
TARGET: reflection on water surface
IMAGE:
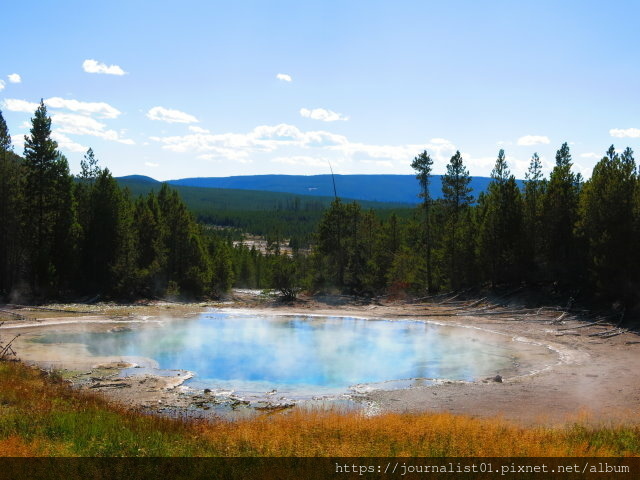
(302, 355)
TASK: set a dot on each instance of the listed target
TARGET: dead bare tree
(6, 350)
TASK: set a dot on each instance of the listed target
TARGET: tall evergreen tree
(457, 198)
(67, 232)
(330, 258)
(423, 164)
(222, 268)
(150, 232)
(187, 261)
(11, 180)
(608, 224)
(47, 196)
(500, 233)
(534, 189)
(386, 247)
(104, 234)
(560, 204)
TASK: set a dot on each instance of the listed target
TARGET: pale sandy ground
(584, 375)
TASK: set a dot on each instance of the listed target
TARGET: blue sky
(181, 89)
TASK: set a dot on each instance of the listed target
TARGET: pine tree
(11, 205)
(47, 192)
(500, 232)
(329, 255)
(150, 234)
(387, 244)
(457, 198)
(187, 260)
(67, 231)
(560, 204)
(104, 234)
(608, 224)
(534, 190)
(423, 164)
(89, 169)
(222, 276)
(286, 276)
(123, 270)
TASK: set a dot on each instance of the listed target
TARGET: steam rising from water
(301, 355)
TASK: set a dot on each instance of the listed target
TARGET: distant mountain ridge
(138, 179)
(380, 188)
(376, 188)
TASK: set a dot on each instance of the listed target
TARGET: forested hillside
(576, 237)
(271, 214)
(63, 236)
(381, 188)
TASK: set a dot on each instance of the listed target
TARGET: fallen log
(520, 311)
(607, 333)
(7, 350)
(477, 302)
(14, 314)
(559, 319)
(613, 334)
(582, 326)
(49, 309)
(449, 299)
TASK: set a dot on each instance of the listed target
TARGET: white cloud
(284, 77)
(264, 138)
(304, 160)
(65, 143)
(80, 123)
(439, 149)
(1, 85)
(101, 109)
(322, 114)
(151, 164)
(621, 133)
(226, 154)
(75, 124)
(93, 66)
(312, 149)
(14, 78)
(15, 105)
(529, 140)
(18, 142)
(380, 163)
(170, 116)
(595, 156)
(196, 129)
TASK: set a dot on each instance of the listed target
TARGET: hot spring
(302, 356)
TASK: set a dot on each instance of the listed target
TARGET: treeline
(63, 236)
(273, 215)
(575, 236)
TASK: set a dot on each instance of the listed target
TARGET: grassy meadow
(40, 415)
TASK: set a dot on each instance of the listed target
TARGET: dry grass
(40, 415)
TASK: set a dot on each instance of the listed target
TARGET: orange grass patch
(303, 433)
(41, 415)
